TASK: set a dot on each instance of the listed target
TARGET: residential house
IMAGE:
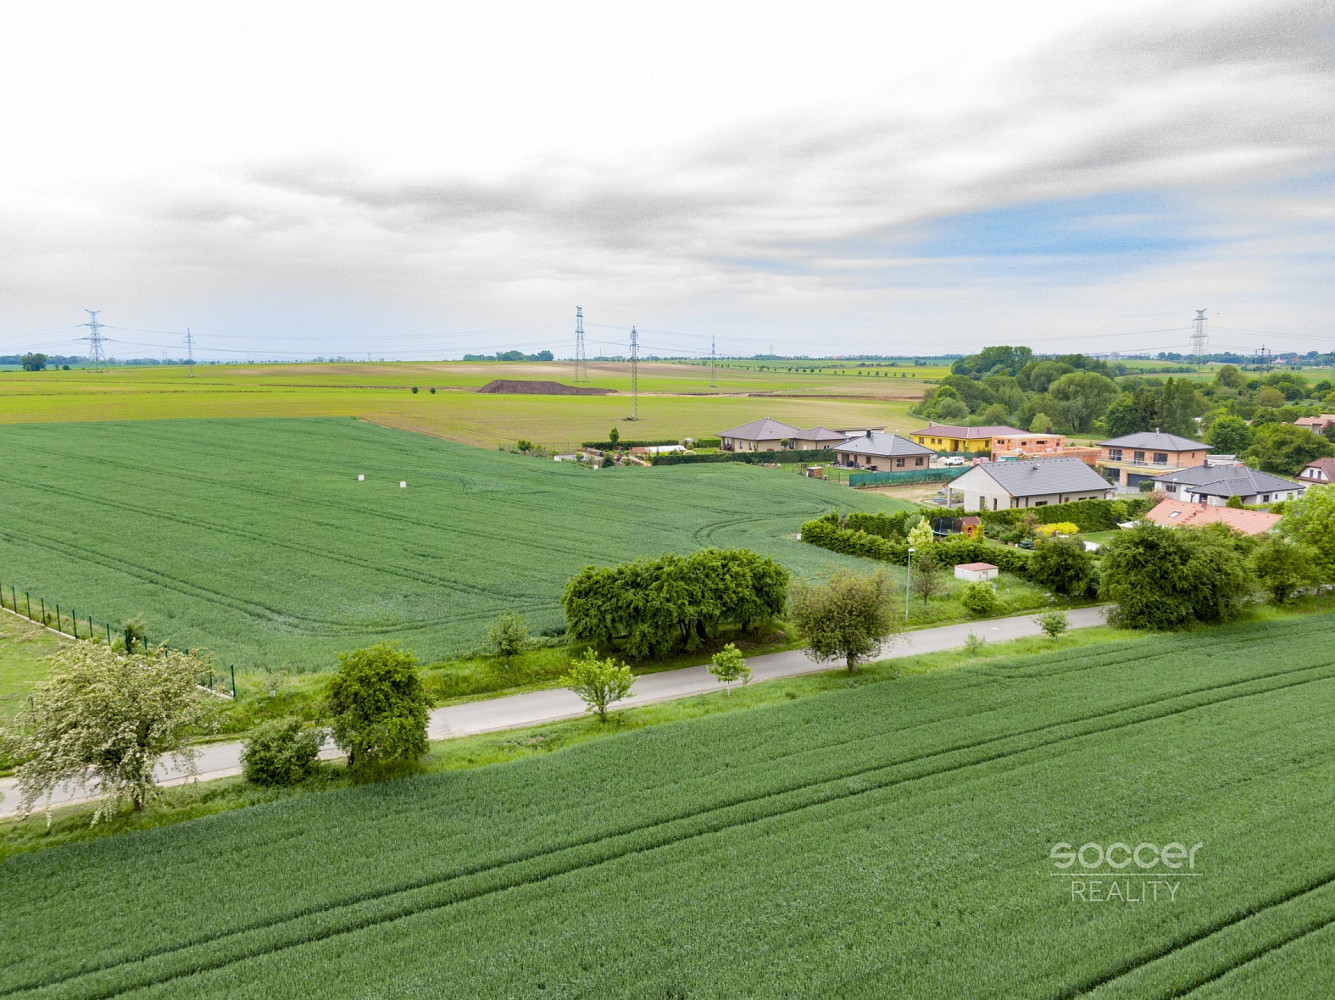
(1214, 484)
(816, 438)
(1176, 514)
(874, 452)
(946, 437)
(1317, 425)
(1136, 457)
(1318, 473)
(1003, 485)
(759, 435)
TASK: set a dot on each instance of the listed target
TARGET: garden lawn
(890, 839)
(254, 538)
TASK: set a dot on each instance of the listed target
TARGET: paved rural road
(218, 760)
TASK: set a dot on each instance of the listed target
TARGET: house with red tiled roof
(1178, 514)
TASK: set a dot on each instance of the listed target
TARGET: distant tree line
(510, 356)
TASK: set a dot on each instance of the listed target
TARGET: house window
(1161, 458)
(1265, 498)
(1137, 456)
(994, 503)
(1040, 503)
(917, 461)
(899, 463)
(1114, 454)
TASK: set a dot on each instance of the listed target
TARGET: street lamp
(908, 575)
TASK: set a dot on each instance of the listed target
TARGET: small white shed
(973, 572)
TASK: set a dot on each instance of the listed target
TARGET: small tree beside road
(281, 752)
(729, 666)
(599, 683)
(508, 636)
(377, 705)
(848, 618)
(103, 719)
(1053, 623)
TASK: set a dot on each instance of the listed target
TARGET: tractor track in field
(1311, 926)
(452, 889)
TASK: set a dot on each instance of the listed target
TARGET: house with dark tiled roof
(758, 435)
(1003, 485)
(1133, 458)
(875, 452)
(1214, 484)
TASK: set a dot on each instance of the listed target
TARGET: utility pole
(581, 362)
(1198, 337)
(1263, 358)
(713, 362)
(190, 352)
(96, 354)
(634, 374)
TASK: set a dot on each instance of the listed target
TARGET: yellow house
(945, 437)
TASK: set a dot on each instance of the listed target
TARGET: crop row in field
(255, 538)
(877, 841)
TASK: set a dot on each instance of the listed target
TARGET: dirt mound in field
(515, 386)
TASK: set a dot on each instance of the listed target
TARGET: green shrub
(281, 752)
(979, 599)
(1062, 564)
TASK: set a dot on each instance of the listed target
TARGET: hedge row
(749, 457)
(827, 533)
(1087, 515)
(613, 445)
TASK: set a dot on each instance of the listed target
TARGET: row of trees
(1081, 395)
(655, 607)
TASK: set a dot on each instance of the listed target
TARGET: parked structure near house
(1177, 514)
(947, 437)
(1214, 484)
(1318, 473)
(875, 452)
(975, 572)
(1317, 425)
(971, 526)
(1003, 485)
(1137, 457)
(1006, 447)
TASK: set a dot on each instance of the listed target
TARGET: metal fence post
(74, 623)
(57, 616)
(27, 597)
(43, 600)
(233, 666)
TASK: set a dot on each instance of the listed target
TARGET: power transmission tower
(1198, 337)
(94, 338)
(190, 352)
(1263, 358)
(581, 362)
(713, 362)
(634, 374)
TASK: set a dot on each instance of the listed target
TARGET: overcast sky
(424, 179)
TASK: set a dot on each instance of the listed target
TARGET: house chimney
(869, 433)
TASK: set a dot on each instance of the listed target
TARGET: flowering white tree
(102, 720)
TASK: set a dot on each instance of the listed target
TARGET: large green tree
(1082, 397)
(1062, 564)
(1286, 448)
(1229, 435)
(103, 719)
(377, 705)
(848, 618)
(1310, 520)
(1179, 406)
(1165, 578)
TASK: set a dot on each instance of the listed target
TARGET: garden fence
(856, 479)
(53, 617)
